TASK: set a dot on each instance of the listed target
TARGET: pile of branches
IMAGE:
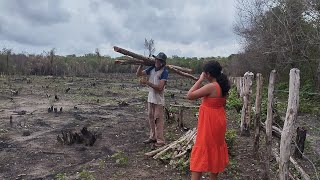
(136, 59)
(176, 153)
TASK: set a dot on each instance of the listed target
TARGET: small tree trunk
(300, 139)
(291, 116)
(7, 63)
(257, 113)
(269, 123)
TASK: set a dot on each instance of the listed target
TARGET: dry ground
(97, 103)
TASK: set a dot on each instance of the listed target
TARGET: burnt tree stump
(85, 136)
(300, 139)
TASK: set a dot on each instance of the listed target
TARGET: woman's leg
(196, 175)
(213, 176)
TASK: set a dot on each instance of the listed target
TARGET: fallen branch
(276, 155)
(275, 131)
(295, 164)
(278, 132)
(157, 152)
(188, 137)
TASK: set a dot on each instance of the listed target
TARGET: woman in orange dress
(210, 153)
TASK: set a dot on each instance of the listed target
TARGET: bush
(233, 101)
(231, 136)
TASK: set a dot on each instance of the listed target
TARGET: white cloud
(184, 28)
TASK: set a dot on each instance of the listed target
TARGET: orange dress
(210, 153)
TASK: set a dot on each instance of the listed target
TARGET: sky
(185, 28)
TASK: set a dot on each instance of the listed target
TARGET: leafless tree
(8, 53)
(281, 34)
(149, 45)
(51, 57)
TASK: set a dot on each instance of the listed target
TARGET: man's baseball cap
(161, 56)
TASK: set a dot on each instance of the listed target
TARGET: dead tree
(149, 45)
(257, 113)
(51, 54)
(291, 116)
(269, 123)
(8, 51)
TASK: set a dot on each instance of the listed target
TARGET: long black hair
(215, 70)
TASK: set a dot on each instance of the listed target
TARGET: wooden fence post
(246, 108)
(288, 128)
(257, 119)
(268, 123)
(180, 117)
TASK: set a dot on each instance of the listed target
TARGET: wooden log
(149, 61)
(269, 123)
(186, 70)
(135, 60)
(165, 148)
(291, 116)
(257, 113)
(132, 54)
(300, 139)
(182, 138)
(175, 143)
(183, 73)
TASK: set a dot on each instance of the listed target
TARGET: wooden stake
(246, 108)
(291, 116)
(269, 123)
(257, 113)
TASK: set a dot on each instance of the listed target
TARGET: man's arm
(158, 87)
(140, 72)
(162, 83)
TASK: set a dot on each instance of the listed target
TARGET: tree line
(280, 35)
(48, 63)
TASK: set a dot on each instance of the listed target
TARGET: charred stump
(300, 139)
(85, 136)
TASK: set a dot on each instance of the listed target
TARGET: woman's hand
(202, 77)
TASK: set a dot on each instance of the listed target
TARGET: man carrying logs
(158, 76)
